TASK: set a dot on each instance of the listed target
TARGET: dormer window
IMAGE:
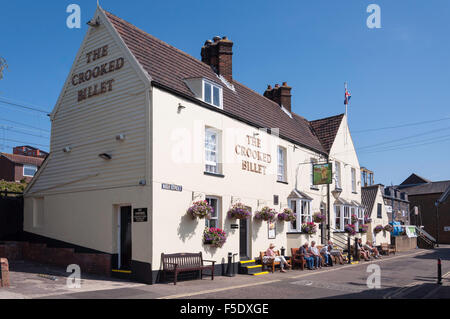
(212, 94)
(206, 91)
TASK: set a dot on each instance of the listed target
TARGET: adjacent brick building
(15, 168)
(424, 194)
(29, 151)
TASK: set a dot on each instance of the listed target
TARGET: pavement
(406, 275)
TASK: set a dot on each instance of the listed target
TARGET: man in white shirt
(315, 254)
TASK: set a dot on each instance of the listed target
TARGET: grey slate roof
(368, 197)
(428, 188)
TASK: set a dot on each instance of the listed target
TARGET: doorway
(125, 238)
(244, 240)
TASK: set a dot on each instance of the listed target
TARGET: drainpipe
(437, 223)
(328, 206)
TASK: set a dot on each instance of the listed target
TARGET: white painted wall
(178, 158)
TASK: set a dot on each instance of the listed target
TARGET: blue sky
(399, 74)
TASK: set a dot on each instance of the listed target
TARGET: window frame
(218, 169)
(25, 166)
(298, 210)
(339, 227)
(353, 173)
(379, 211)
(346, 216)
(338, 175)
(283, 165)
(217, 210)
(213, 86)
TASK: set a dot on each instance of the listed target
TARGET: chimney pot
(280, 95)
(219, 55)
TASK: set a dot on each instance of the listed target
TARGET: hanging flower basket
(363, 228)
(354, 219)
(287, 215)
(214, 237)
(266, 214)
(367, 220)
(389, 228)
(350, 229)
(239, 211)
(319, 218)
(200, 210)
(378, 229)
(309, 228)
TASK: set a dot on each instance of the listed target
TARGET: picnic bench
(386, 249)
(185, 262)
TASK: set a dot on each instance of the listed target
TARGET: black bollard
(349, 250)
(439, 271)
(356, 250)
(230, 265)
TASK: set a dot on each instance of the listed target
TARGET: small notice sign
(172, 187)
(140, 215)
(447, 228)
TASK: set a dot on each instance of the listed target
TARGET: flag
(348, 96)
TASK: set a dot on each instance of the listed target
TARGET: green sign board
(323, 174)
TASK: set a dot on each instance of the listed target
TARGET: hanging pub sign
(140, 215)
(323, 174)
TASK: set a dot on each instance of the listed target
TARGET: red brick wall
(428, 215)
(7, 171)
(99, 264)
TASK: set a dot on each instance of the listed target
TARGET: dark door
(125, 238)
(243, 239)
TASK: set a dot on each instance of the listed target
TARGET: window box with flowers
(266, 214)
(309, 228)
(287, 215)
(239, 211)
(200, 210)
(215, 237)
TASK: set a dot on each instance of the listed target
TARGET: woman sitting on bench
(271, 255)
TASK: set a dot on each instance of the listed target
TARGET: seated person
(271, 255)
(335, 252)
(373, 250)
(314, 251)
(327, 256)
(363, 252)
(307, 256)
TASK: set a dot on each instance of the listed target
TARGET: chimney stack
(219, 54)
(280, 94)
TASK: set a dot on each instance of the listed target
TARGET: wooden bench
(387, 249)
(185, 262)
(271, 263)
(297, 259)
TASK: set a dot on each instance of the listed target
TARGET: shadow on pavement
(420, 291)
